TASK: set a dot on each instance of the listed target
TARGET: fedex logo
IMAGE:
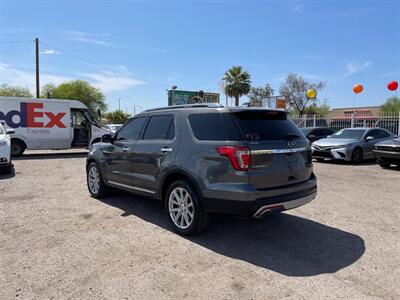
(31, 115)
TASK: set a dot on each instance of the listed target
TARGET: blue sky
(137, 49)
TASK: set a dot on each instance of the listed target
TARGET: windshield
(348, 134)
(305, 131)
(89, 116)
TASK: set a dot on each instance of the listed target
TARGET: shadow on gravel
(283, 243)
(39, 156)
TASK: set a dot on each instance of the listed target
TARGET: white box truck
(48, 124)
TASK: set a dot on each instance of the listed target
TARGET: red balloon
(393, 85)
(358, 88)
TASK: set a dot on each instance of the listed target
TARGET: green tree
(392, 104)
(14, 91)
(295, 91)
(238, 83)
(83, 91)
(117, 117)
(320, 110)
(47, 90)
(258, 93)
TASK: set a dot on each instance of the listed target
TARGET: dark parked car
(202, 159)
(388, 153)
(316, 133)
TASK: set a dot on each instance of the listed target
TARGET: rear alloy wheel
(184, 211)
(95, 183)
(357, 156)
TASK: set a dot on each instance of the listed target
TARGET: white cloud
(109, 81)
(297, 6)
(84, 37)
(49, 52)
(390, 74)
(353, 67)
(15, 76)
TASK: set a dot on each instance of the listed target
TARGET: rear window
(243, 125)
(265, 125)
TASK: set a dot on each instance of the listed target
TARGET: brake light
(238, 156)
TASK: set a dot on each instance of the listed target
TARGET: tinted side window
(383, 134)
(131, 130)
(208, 127)
(158, 128)
(374, 133)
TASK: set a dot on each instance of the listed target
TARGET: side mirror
(311, 136)
(106, 138)
(369, 138)
(10, 131)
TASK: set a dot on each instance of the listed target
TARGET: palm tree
(238, 83)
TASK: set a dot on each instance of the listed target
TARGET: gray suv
(203, 159)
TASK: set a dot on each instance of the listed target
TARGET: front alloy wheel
(357, 156)
(95, 183)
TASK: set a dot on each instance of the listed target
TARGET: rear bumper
(282, 198)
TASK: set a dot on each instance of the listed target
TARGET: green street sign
(177, 97)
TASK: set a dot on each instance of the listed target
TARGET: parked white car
(5, 150)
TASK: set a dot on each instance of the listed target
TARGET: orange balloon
(358, 88)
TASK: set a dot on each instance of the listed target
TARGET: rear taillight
(239, 157)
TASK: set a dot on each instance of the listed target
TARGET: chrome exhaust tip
(262, 212)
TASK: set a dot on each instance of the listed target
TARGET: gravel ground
(58, 242)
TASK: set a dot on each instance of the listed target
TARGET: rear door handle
(166, 149)
(125, 148)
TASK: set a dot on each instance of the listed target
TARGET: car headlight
(341, 146)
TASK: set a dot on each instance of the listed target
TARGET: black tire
(102, 190)
(200, 219)
(357, 156)
(7, 169)
(18, 147)
(384, 165)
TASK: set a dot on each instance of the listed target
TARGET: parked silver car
(351, 144)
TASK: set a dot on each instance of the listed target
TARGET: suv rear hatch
(280, 154)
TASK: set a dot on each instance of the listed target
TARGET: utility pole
(37, 68)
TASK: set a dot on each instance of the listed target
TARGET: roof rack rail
(199, 105)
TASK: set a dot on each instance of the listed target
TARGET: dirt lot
(57, 242)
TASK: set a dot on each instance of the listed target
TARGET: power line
(87, 61)
(15, 42)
